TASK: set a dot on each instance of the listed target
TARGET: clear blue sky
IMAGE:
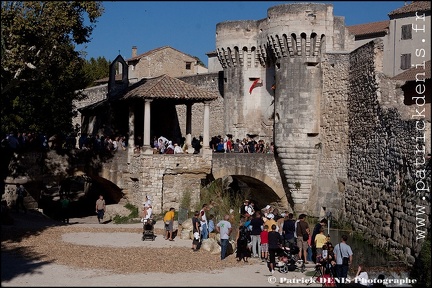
(190, 26)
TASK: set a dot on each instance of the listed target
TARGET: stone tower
(285, 52)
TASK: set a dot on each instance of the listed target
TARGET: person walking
(274, 243)
(100, 208)
(169, 224)
(64, 203)
(224, 228)
(343, 255)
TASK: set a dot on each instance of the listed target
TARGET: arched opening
(82, 191)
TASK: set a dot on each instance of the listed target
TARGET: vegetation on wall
(134, 214)
(422, 268)
(186, 200)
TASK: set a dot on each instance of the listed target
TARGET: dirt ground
(37, 251)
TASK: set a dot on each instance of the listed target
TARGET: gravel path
(41, 252)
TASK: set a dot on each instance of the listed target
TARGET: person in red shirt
(264, 243)
(229, 146)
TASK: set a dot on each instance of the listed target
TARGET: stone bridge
(166, 177)
(259, 172)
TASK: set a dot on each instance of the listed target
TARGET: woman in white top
(361, 277)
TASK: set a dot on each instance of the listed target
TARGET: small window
(406, 32)
(405, 61)
(188, 65)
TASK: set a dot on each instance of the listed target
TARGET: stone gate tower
(285, 52)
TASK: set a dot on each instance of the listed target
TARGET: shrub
(134, 214)
(221, 201)
(421, 270)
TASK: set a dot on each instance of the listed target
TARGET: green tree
(95, 69)
(40, 69)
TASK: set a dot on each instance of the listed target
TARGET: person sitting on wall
(220, 147)
(177, 149)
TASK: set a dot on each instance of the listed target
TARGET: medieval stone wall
(165, 178)
(382, 157)
(332, 146)
(94, 94)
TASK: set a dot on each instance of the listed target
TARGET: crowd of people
(21, 142)
(218, 144)
(25, 141)
(226, 144)
(161, 144)
(262, 233)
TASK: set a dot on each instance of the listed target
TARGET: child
(211, 227)
(264, 243)
(320, 240)
(324, 252)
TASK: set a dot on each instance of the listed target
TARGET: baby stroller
(148, 230)
(287, 259)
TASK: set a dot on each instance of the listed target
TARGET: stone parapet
(165, 178)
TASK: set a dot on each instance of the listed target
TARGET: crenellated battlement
(276, 47)
(284, 52)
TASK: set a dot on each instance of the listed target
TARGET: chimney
(134, 51)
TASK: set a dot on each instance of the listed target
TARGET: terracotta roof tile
(369, 28)
(415, 6)
(410, 74)
(166, 87)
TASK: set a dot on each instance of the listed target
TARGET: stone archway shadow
(263, 189)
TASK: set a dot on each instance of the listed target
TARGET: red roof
(369, 28)
(166, 87)
(415, 6)
(410, 74)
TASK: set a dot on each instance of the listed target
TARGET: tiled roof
(410, 74)
(415, 6)
(118, 77)
(93, 106)
(369, 28)
(166, 87)
(154, 51)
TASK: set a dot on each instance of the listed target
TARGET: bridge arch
(258, 172)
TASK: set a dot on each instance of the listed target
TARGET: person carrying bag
(343, 255)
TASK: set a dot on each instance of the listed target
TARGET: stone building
(406, 28)
(169, 61)
(342, 126)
